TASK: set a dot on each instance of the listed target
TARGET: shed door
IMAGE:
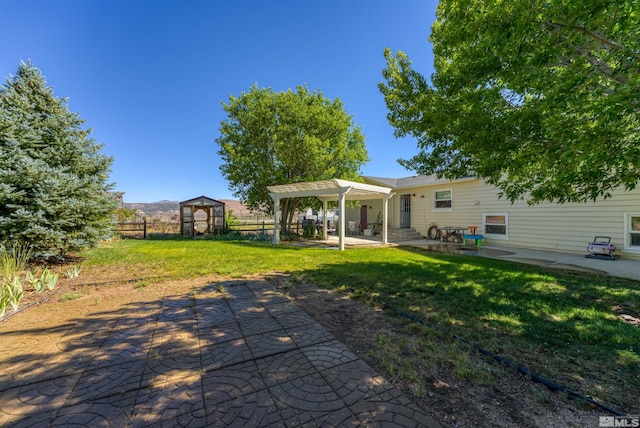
(187, 221)
(405, 211)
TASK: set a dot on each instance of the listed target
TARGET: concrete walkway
(231, 354)
(623, 268)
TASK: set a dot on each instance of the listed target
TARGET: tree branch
(596, 36)
(602, 67)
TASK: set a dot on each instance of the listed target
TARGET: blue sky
(149, 76)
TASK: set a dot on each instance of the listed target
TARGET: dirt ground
(511, 400)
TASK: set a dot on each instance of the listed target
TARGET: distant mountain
(238, 208)
(170, 210)
(164, 210)
(153, 207)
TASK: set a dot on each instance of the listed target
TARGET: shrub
(309, 231)
(14, 273)
(13, 262)
(46, 281)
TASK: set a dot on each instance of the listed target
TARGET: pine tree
(54, 193)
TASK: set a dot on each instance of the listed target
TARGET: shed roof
(329, 190)
(201, 201)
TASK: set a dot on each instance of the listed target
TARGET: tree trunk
(288, 211)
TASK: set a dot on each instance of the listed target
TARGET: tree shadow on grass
(562, 325)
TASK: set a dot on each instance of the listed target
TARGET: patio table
(452, 233)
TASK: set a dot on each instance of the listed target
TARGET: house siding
(546, 226)
(353, 214)
(374, 210)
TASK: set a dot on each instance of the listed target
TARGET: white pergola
(330, 190)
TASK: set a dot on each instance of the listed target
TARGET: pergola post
(325, 232)
(385, 220)
(276, 224)
(341, 205)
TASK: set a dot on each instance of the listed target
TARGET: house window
(632, 232)
(442, 200)
(496, 225)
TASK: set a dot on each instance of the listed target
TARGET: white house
(424, 201)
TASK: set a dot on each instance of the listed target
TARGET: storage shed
(201, 216)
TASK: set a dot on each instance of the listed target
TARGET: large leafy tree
(539, 97)
(272, 138)
(53, 178)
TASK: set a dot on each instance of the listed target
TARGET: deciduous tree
(272, 138)
(539, 97)
(53, 178)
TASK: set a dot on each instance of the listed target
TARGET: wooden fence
(257, 224)
(251, 225)
(132, 228)
(263, 226)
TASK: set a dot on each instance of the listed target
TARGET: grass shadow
(563, 325)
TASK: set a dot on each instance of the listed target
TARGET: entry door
(405, 211)
(363, 218)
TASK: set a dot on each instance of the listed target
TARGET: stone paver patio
(230, 354)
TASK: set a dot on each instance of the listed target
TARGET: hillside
(170, 210)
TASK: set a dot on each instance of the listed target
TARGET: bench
(477, 238)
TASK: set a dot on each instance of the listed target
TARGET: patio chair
(352, 228)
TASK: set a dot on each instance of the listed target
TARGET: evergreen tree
(54, 193)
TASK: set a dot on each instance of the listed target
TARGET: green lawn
(564, 326)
